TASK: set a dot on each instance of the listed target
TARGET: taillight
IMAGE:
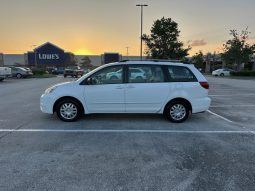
(204, 85)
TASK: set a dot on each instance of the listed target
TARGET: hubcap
(68, 111)
(177, 112)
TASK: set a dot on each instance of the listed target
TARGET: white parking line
(216, 106)
(219, 90)
(231, 95)
(219, 116)
(123, 131)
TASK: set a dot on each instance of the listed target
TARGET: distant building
(110, 57)
(1, 59)
(13, 59)
(95, 59)
(50, 55)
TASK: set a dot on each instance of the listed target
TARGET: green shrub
(39, 72)
(243, 73)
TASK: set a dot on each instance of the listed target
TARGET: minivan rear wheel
(68, 110)
(177, 111)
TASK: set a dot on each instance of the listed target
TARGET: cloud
(197, 42)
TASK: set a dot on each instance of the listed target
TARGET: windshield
(89, 73)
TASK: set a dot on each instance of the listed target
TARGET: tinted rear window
(181, 74)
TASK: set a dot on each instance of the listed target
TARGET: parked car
(73, 71)
(172, 89)
(58, 71)
(222, 72)
(20, 72)
(5, 72)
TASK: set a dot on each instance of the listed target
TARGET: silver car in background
(20, 72)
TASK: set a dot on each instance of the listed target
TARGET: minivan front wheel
(68, 110)
(177, 111)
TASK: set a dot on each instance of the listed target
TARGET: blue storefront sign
(47, 54)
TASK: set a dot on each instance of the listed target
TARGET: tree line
(163, 43)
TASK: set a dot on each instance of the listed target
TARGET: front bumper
(47, 103)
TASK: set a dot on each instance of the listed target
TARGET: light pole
(141, 48)
(127, 50)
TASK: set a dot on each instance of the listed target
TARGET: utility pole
(127, 50)
(141, 48)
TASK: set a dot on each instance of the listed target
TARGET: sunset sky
(98, 26)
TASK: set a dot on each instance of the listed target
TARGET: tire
(221, 74)
(177, 111)
(69, 110)
(64, 76)
(1, 79)
(19, 75)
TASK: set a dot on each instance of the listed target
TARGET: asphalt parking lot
(214, 150)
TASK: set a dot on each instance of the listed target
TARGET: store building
(49, 55)
(1, 59)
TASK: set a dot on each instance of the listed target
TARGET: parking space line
(253, 132)
(230, 95)
(123, 131)
(219, 89)
(219, 116)
(219, 106)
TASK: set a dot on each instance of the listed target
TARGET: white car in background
(135, 73)
(222, 72)
(5, 72)
(173, 89)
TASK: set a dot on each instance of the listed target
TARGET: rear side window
(145, 74)
(180, 74)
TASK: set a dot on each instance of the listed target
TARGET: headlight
(50, 89)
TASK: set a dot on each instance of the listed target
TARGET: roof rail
(159, 60)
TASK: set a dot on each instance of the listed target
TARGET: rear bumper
(5, 76)
(201, 105)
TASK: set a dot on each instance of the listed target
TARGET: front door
(105, 93)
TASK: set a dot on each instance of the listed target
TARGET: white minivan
(171, 88)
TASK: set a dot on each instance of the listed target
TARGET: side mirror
(89, 81)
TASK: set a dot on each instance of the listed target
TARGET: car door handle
(119, 87)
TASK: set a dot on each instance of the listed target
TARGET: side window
(109, 75)
(181, 74)
(145, 74)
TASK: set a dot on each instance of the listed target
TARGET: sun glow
(83, 51)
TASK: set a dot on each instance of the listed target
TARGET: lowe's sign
(47, 54)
